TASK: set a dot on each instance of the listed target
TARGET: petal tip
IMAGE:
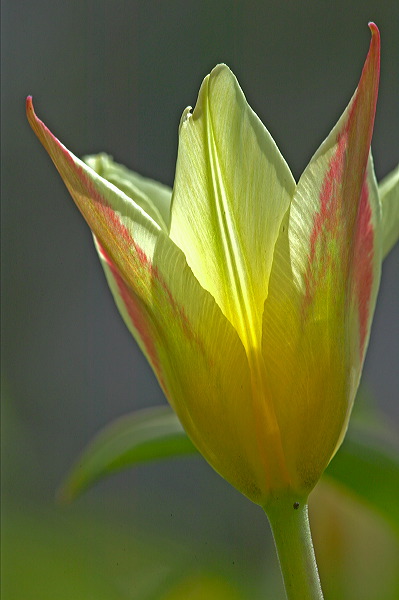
(187, 114)
(220, 67)
(374, 29)
(29, 105)
(30, 112)
(375, 38)
(220, 70)
(33, 120)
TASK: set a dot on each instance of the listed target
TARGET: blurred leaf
(367, 464)
(140, 437)
(203, 586)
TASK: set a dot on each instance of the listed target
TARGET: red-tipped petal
(324, 283)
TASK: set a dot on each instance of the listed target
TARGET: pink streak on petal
(344, 219)
(326, 220)
(135, 313)
(363, 264)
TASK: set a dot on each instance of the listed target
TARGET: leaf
(367, 464)
(140, 437)
(389, 196)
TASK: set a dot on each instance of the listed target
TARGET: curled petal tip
(371, 69)
(30, 111)
(375, 33)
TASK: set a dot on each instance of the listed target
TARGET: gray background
(116, 76)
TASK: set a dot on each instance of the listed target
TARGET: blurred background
(115, 76)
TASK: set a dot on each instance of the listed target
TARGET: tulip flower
(250, 295)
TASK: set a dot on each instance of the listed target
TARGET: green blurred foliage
(114, 546)
(357, 552)
(90, 554)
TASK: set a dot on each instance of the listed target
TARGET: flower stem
(291, 531)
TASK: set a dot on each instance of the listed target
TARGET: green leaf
(366, 466)
(140, 437)
(389, 196)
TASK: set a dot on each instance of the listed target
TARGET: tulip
(250, 295)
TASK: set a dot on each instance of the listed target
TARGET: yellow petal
(153, 197)
(194, 351)
(323, 288)
(207, 388)
(232, 188)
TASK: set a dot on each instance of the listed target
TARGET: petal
(152, 196)
(196, 354)
(389, 198)
(323, 287)
(331, 214)
(207, 388)
(232, 188)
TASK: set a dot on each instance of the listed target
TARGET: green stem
(291, 531)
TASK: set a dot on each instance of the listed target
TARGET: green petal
(152, 196)
(232, 188)
(389, 198)
(176, 322)
(323, 287)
